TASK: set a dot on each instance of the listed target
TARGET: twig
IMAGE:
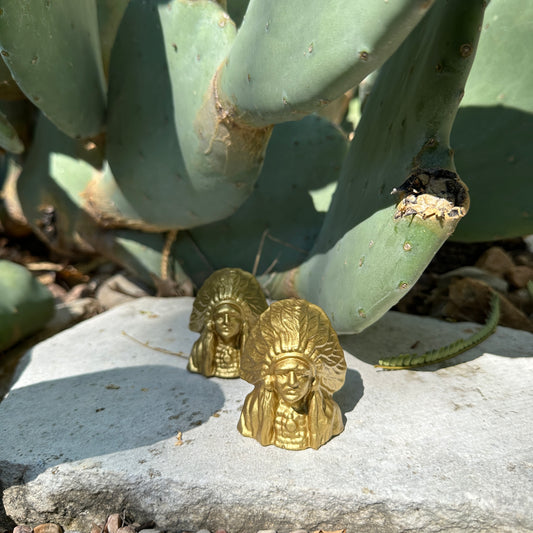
(165, 255)
(259, 252)
(271, 267)
(287, 244)
(155, 348)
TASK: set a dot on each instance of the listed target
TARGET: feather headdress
(228, 285)
(290, 326)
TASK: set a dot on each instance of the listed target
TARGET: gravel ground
(117, 524)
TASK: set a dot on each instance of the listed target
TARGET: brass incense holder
(294, 359)
(226, 307)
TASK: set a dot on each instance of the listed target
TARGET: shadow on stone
(90, 415)
(351, 392)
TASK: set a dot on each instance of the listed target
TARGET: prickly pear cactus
(52, 50)
(326, 54)
(278, 224)
(51, 190)
(207, 156)
(376, 242)
(492, 132)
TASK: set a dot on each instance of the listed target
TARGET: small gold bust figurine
(226, 307)
(294, 359)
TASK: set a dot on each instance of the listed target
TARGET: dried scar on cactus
(435, 193)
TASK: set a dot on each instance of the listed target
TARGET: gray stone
(22, 529)
(113, 523)
(90, 428)
(119, 289)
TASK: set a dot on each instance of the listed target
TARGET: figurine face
(228, 322)
(292, 379)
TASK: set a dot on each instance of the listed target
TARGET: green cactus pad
(175, 161)
(371, 251)
(285, 64)
(278, 224)
(52, 49)
(492, 134)
(25, 306)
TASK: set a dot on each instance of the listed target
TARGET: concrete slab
(90, 427)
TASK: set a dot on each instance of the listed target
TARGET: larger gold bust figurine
(225, 308)
(294, 359)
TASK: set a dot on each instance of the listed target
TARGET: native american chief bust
(225, 308)
(294, 359)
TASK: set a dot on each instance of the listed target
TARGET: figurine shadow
(91, 415)
(350, 394)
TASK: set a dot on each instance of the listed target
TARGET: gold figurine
(294, 359)
(226, 307)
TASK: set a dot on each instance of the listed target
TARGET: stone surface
(119, 289)
(90, 428)
(113, 523)
(48, 528)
